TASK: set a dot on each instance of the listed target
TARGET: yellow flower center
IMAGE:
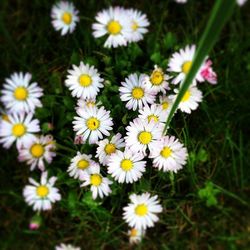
(18, 130)
(90, 104)
(134, 26)
(42, 191)
(126, 164)
(37, 150)
(157, 77)
(110, 149)
(6, 118)
(82, 164)
(85, 80)
(165, 105)
(186, 96)
(145, 137)
(137, 93)
(93, 123)
(114, 27)
(133, 232)
(141, 210)
(95, 179)
(21, 93)
(153, 117)
(186, 66)
(166, 152)
(67, 18)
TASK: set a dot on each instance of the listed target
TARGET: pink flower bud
(208, 74)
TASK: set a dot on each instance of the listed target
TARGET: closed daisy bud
(135, 235)
(142, 211)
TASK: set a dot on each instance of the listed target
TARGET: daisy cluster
(121, 26)
(20, 98)
(114, 157)
(127, 157)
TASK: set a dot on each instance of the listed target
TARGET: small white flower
(141, 212)
(135, 235)
(157, 81)
(181, 1)
(19, 128)
(84, 81)
(66, 247)
(166, 103)
(64, 17)
(80, 165)
(106, 148)
(168, 154)
(181, 62)
(135, 92)
(99, 184)
(19, 95)
(82, 103)
(155, 113)
(141, 134)
(37, 151)
(126, 166)
(241, 2)
(41, 195)
(138, 25)
(191, 99)
(92, 123)
(114, 23)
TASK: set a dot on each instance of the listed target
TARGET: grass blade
(221, 12)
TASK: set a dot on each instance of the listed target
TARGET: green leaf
(221, 11)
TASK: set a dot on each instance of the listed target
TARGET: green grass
(216, 134)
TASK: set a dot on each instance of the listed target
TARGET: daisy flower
(191, 99)
(141, 134)
(181, 1)
(37, 151)
(82, 103)
(135, 92)
(19, 128)
(106, 148)
(99, 184)
(126, 166)
(66, 247)
(141, 212)
(157, 81)
(41, 195)
(169, 154)
(181, 62)
(155, 113)
(92, 123)
(84, 81)
(165, 102)
(19, 95)
(80, 165)
(138, 25)
(241, 2)
(135, 235)
(64, 17)
(114, 23)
